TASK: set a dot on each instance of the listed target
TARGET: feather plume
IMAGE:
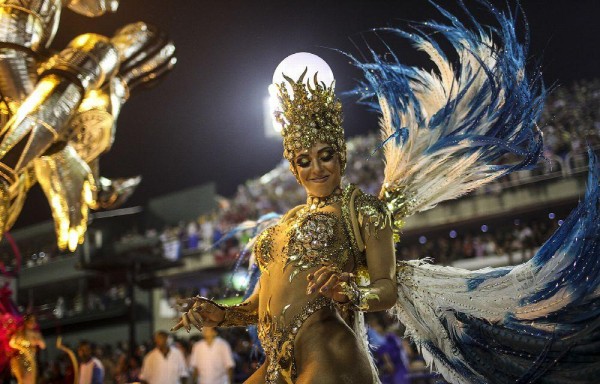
(537, 321)
(452, 130)
(453, 126)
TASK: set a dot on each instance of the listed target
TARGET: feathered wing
(535, 322)
(445, 132)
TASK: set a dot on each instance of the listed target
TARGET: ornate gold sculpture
(58, 114)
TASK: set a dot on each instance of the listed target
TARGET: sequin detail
(373, 214)
(313, 242)
(263, 249)
(399, 204)
(277, 339)
(316, 202)
(238, 316)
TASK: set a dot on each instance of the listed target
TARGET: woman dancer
(26, 342)
(306, 291)
(328, 261)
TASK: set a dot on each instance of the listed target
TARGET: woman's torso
(292, 323)
(23, 364)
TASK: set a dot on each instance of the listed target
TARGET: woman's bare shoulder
(291, 213)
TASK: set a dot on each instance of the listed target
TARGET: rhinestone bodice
(314, 238)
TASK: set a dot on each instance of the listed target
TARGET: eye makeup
(303, 161)
(325, 154)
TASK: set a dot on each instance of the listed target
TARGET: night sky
(204, 122)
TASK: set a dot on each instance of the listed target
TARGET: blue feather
(512, 118)
(551, 331)
(400, 136)
(560, 343)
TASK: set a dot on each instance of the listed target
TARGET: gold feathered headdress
(309, 114)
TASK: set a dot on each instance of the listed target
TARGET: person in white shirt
(91, 370)
(163, 364)
(212, 359)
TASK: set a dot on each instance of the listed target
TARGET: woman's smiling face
(319, 169)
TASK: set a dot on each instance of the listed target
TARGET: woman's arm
(200, 311)
(376, 236)
(241, 315)
(381, 293)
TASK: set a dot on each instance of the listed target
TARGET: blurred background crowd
(396, 358)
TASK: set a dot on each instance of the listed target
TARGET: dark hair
(86, 343)
(161, 333)
(136, 358)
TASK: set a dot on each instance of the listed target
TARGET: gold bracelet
(358, 297)
(237, 316)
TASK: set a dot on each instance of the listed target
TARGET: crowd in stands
(519, 241)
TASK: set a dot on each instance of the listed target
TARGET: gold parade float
(58, 111)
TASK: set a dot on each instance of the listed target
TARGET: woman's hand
(330, 282)
(199, 311)
(40, 343)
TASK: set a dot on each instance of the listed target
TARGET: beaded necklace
(316, 202)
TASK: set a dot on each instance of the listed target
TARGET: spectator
(212, 360)
(128, 369)
(206, 231)
(183, 347)
(163, 364)
(104, 354)
(478, 247)
(91, 370)
(388, 351)
(527, 242)
(192, 235)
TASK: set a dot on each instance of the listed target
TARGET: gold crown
(309, 115)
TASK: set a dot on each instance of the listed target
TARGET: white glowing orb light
(240, 280)
(293, 66)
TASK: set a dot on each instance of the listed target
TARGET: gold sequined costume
(307, 237)
(23, 365)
